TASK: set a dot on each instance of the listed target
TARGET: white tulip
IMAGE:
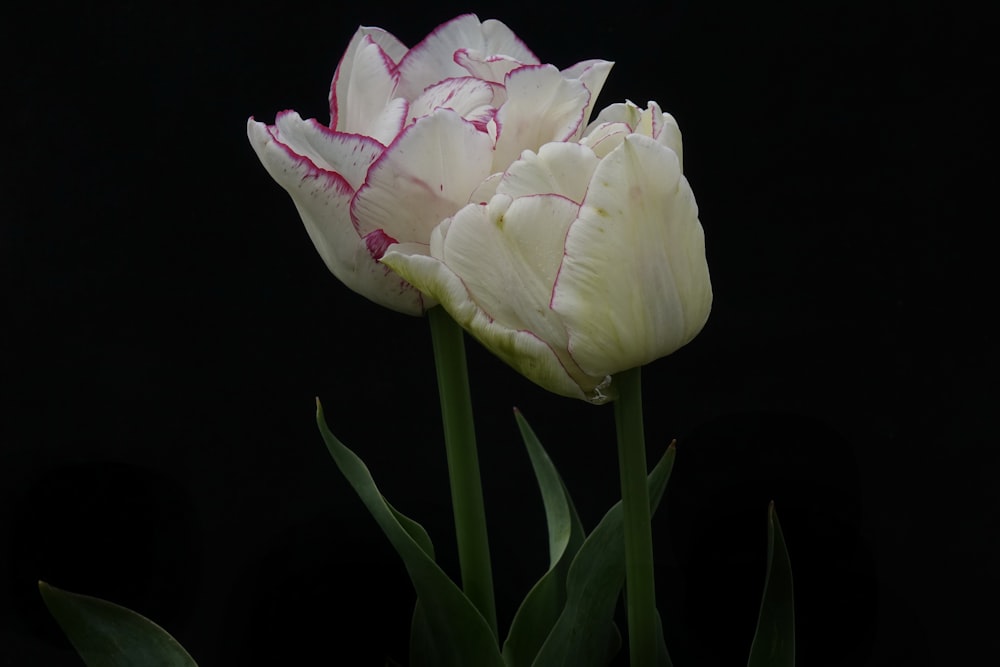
(413, 135)
(587, 259)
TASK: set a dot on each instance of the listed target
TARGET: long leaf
(109, 635)
(774, 642)
(581, 636)
(457, 631)
(540, 609)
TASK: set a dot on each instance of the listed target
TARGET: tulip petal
(323, 197)
(491, 269)
(389, 122)
(463, 95)
(605, 137)
(634, 283)
(522, 350)
(508, 253)
(593, 74)
(669, 135)
(559, 167)
(541, 107)
(389, 50)
(369, 88)
(650, 122)
(489, 68)
(484, 191)
(349, 155)
(433, 59)
(423, 177)
(499, 40)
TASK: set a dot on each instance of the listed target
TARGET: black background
(167, 323)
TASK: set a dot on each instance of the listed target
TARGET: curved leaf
(109, 635)
(774, 642)
(540, 609)
(593, 584)
(456, 631)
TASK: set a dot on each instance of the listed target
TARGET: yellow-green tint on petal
(634, 284)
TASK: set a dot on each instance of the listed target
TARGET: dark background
(166, 324)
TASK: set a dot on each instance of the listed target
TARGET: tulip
(413, 135)
(583, 260)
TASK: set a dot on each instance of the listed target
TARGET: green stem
(463, 463)
(640, 592)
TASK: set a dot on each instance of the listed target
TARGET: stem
(640, 592)
(463, 463)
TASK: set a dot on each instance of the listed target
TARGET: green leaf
(774, 642)
(581, 636)
(108, 635)
(456, 633)
(540, 609)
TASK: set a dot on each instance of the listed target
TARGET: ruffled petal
(489, 68)
(349, 155)
(562, 168)
(322, 198)
(541, 107)
(390, 49)
(634, 284)
(605, 137)
(423, 177)
(475, 241)
(464, 95)
(433, 59)
(651, 122)
(507, 254)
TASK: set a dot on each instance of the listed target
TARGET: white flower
(588, 258)
(413, 135)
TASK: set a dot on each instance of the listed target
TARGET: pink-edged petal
(508, 253)
(501, 40)
(463, 95)
(424, 176)
(349, 155)
(323, 200)
(391, 48)
(634, 284)
(489, 68)
(593, 74)
(484, 119)
(560, 167)
(541, 107)
(474, 239)
(433, 59)
(389, 122)
(367, 89)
